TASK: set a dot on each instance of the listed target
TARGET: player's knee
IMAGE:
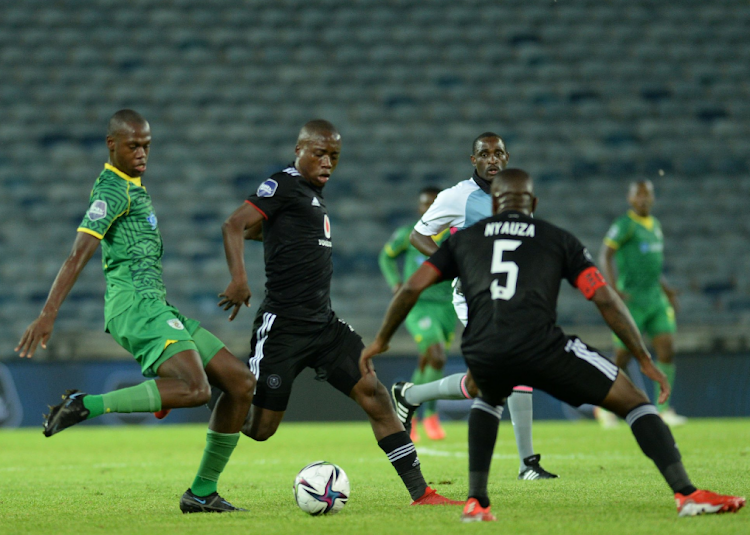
(260, 434)
(243, 386)
(471, 387)
(199, 393)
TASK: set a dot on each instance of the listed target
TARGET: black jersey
(511, 266)
(296, 245)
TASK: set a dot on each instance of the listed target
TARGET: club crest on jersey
(97, 210)
(268, 188)
(152, 220)
(175, 324)
(327, 226)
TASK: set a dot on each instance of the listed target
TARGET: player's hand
(365, 359)
(36, 333)
(236, 295)
(655, 374)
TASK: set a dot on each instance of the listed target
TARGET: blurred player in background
(295, 327)
(511, 266)
(458, 208)
(633, 256)
(185, 358)
(432, 321)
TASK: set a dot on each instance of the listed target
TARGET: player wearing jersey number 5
(511, 266)
(185, 358)
(458, 208)
(432, 322)
(295, 327)
(633, 255)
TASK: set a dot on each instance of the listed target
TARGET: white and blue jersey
(457, 208)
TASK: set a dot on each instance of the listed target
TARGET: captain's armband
(589, 281)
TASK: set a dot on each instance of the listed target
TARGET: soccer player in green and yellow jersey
(633, 256)
(184, 358)
(432, 321)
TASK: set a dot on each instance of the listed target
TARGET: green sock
(430, 375)
(670, 371)
(139, 398)
(219, 447)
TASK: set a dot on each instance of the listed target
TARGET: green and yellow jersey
(122, 217)
(399, 245)
(639, 245)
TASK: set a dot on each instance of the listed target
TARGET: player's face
(425, 201)
(641, 198)
(490, 157)
(128, 149)
(317, 157)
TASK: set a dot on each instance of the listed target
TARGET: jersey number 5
(504, 266)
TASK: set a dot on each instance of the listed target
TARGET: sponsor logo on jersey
(97, 210)
(175, 324)
(152, 220)
(327, 226)
(425, 323)
(646, 247)
(315, 201)
(273, 381)
(268, 188)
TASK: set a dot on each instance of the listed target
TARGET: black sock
(403, 456)
(484, 420)
(657, 442)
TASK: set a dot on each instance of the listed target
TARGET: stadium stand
(588, 95)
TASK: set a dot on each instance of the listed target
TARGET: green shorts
(652, 318)
(431, 323)
(153, 331)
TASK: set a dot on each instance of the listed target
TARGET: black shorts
(571, 371)
(281, 348)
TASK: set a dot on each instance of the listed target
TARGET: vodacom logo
(327, 226)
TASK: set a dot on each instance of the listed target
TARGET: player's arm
(671, 293)
(424, 244)
(400, 306)
(395, 247)
(41, 329)
(618, 317)
(607, 261)
(233, 232)
(254, 233)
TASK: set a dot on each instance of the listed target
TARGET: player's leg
(278, 354)
(433, 371)
(484, 420)
(660, 325)
(583, 376)
(339, 363)
(226, 372)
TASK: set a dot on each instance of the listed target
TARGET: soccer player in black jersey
(511, 266)
(295, 327)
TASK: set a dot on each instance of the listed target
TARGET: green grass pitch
(129, 480)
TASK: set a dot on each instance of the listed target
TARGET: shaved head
(513, 189)
(124, 120)
(637, 184)
(316, 129)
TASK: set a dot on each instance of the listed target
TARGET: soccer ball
(321, 488)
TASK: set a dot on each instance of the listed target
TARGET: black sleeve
(444, 260)
(272, 194)
(577, 258)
